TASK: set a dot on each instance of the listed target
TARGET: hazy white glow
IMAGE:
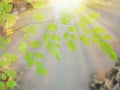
(66, 4)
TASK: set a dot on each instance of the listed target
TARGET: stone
(111, 80)
(117, 87)
(96, 84)
(118, 61)
(118, 77)
(110, 73)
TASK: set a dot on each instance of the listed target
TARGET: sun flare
(66, 4)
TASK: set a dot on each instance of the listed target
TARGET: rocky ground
(111, 80)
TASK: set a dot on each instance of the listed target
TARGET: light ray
(66, 4)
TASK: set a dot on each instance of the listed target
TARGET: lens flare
(66, 4)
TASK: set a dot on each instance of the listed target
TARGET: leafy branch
(52, 40)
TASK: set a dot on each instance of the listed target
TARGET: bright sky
(61, 4)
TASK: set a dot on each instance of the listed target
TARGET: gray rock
(117, 87)
(118, 61)
(96, 84)
(118, 77)
(112, 72)
(111, 80)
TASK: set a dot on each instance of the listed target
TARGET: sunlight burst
(66, 4)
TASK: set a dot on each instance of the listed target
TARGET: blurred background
(76, 68)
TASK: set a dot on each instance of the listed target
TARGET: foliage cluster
(96, 35)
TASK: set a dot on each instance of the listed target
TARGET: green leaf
(5, 55)
(2, 63)
(38, 17)
(58, 56)
(2, 46)
(85, 39)
(64, 20)
(8, 41)
(29, 58)
(74, 37)
(87, 20)
(72, 29)
(8, 62)
(108, 49)
(26, 36)
(95, 39)
(71, 45)
(3, 77)
(14, 57)
(39, 4)
(106, 37)
(22, 47)
(10, 73)
(94, 15)
(66, 35)
(49, 45)
(10, 20)
(1, 39)
(53, 51)
(11, 84)
(113, 55)
(41, 69)
(52, 27)
(104, 47)
(81, 24)
(39, 55)
(56, 37)
(87, 31)
(108, 46)
(30, 62)
(5, 8)
(57, 45)
(8, 7)
(32, 29)
(46, 37)
(35, 44)
(2, 85)
(98, 30)
(7, 1)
